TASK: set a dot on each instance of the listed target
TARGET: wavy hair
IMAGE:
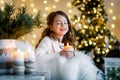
(68, 37)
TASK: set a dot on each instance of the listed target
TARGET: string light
(34, 10)
(54, 6)
(114, 17)
(70, 11)
(110, 11)
(56, 0)
(112, 4)
(22, 5)
(2, 8)
(46, 8)
(32, 4)
(45, 2)
(69, 5)
(2, 2)
(34, 36)
(33, 41)
(44, 15)
(113, 25)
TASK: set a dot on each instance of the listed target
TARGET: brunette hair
(68, 37)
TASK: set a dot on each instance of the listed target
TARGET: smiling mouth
(62, 29)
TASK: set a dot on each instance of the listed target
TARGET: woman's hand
(67, 54)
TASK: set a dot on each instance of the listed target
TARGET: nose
(62, 25)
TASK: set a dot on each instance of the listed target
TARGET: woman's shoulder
(46, 39)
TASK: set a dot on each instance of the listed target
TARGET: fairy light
(22, 5)
(32, 4)
(56, 0)
(85, 26)
(46, 8)
(54, 6)
(69, 4)
(2, 2)
(113, 25)
(44, 15)
(2, 8)
(94, 43)
(110, 11)
(34, 10)
(97, 60)
(33, 41)
(45, 2)
(94, 10)
(34, 36)
(90, 42)
(79, 24)
(23, 0)
(83, 16)
(103, 52)
(114, 17)
(112, 4)
(107, 50)
(70, 11)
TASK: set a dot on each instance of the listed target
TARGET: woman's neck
(60, 38)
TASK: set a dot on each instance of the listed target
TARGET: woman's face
(60, 25)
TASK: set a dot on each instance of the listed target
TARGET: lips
(62, 29)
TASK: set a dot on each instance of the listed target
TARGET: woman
(52, 58)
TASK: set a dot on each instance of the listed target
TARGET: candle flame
(67, 44)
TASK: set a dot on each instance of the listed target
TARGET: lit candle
(68, 47)
(18, 54)
(18, 63)
(26, 53)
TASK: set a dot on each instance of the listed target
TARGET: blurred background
(46, 6)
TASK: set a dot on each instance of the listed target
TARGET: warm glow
(32, 4)
(70, 11)
(44, 15)
(2, 8)
(56, 0)
(22, 5)
(113, 25)
(34, 10)
(54, 6)
(111, 11)
(23, 0)
(114, 17)
(33, 41)
(97, 60)
(45, 2)
(112, 4)
(2, 2)
(34, 36)
(103, 52)
(68, 47)
(46, 8)
(69, 4)
(94, 10)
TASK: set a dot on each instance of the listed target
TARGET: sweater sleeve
(44, 50)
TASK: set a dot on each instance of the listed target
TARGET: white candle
(68, 47)
(18, 55)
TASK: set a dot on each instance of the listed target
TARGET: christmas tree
(91, 30)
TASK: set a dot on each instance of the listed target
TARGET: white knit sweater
(79, 67)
